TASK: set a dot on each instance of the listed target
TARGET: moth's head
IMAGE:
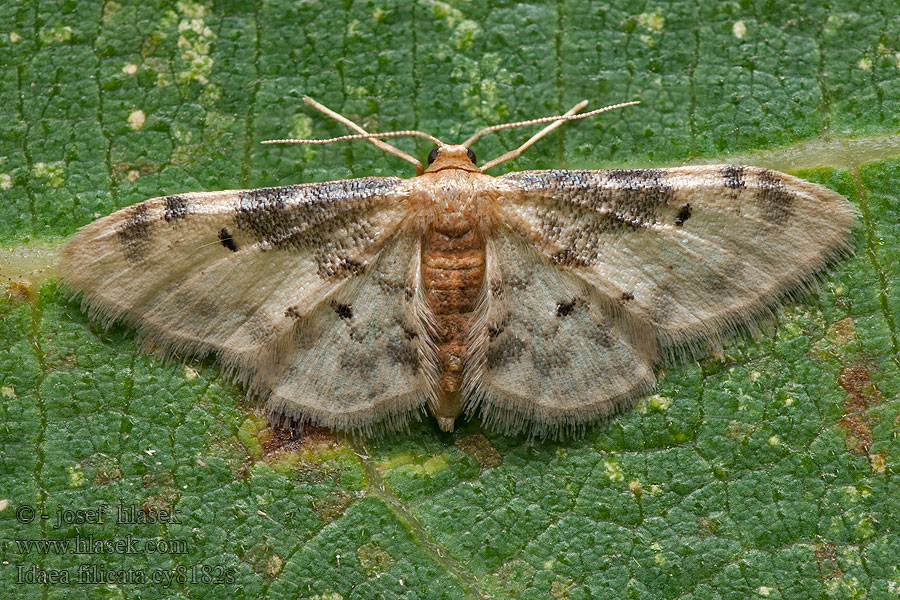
(447, 156)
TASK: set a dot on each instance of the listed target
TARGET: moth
(537, 301)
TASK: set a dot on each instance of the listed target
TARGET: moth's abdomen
(452, 272)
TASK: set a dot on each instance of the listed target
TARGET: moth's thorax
(454, 198)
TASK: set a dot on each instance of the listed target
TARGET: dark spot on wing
(495, 329)
(292, 312)
(389, 282)
(627, 296)
(260, 328)
(733, 176)
(357, 362)
(337, 266)
(402, 353)
(505, 352)
(516, 283)
(775, 202)
(662, 308)
(199, 305)
(407, 293)
(714, 282)
(306, 216)
(344, 311)
(564, 309)
(629, 196)
(576, 210)
(134, 233)
(636, 194)
(569, 257)
(176, 208)
(602, 335)
(497, 289)
(227, 240)
(684, 213)
(261, 211)
(721, 282)
(550, 362)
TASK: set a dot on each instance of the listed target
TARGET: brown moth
(539, 301)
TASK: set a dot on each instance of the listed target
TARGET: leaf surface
(768, 471)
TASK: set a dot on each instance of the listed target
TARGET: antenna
(556, 122)
(364, 135)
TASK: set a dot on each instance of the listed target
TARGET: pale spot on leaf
(76, 476)
(51, 173)
(191, 9)
(739, 29)
(302, 127)
(658, 556)
(274, 565)
(465, 34)
(136, 119)
(58, 34)
(195, 40)
(653, 21)
(636, 488)
(844, 587)
(660, 403)
(416, 465)
(613, 470)
(445, 11)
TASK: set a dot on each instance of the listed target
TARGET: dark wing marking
(231, 272)
(354, 363)
(689, 254)
(550, 358)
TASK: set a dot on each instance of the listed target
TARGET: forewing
(231, 272)
(688, 254)
(354, 363)
(551, 358)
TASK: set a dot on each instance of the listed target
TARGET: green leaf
(768, 471)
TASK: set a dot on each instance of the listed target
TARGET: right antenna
(555, 122)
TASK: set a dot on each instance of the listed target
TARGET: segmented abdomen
(453, 273)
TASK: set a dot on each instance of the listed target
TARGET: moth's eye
(471, 155)
(432, 155)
